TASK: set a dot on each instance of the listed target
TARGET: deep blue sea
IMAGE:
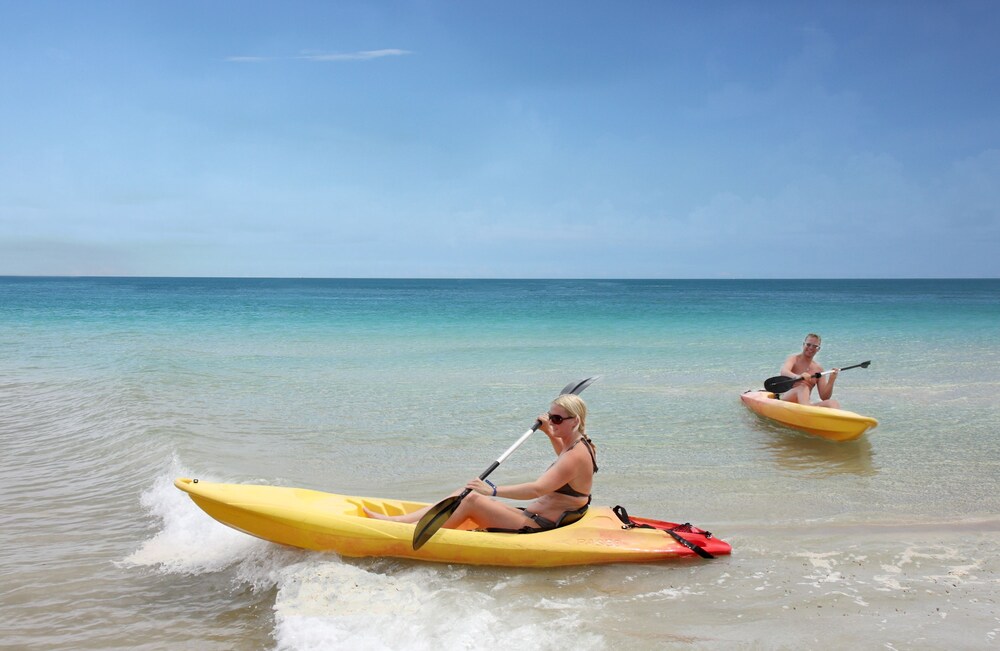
(111, 387)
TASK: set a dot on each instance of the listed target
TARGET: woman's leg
(487, 512)
(413, 516)
(484, 511)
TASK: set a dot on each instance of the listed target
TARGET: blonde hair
(813, 334)
(576, 407)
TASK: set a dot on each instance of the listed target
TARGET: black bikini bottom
(544, 524)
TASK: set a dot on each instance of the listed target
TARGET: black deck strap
(687, 527)
(627, 521)
(697, 549)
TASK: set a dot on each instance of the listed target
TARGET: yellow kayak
(833, 424)
(320, 521)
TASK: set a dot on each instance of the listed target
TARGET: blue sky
(500, 139)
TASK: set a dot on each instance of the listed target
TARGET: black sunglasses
(556, 419)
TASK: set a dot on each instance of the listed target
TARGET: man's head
(811, 344)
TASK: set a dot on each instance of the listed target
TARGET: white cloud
(363, 55)
(355, 56)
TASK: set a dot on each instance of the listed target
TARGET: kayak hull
(320, 521)
(832, 424)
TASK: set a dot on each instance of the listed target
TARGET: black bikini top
(568, 490)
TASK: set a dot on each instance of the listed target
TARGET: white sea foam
(188, 541)
(670, 593)
(324, 602)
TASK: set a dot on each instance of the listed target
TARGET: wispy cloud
(363, 55)
(355, 56)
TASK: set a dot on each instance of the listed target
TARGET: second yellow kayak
(833, 424)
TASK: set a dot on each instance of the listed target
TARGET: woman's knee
(474, 501)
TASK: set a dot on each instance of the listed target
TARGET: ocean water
(112, 387)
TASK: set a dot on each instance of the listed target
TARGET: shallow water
(110, 388)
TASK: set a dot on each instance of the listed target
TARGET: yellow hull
(320, 521)
(833, 424)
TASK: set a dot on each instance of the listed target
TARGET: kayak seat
(378, 507)
(565, 519)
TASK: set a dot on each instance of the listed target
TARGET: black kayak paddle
(435, 518)
(782, 383)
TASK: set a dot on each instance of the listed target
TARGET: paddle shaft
(503, 457)
(782, 383)
(819, 375)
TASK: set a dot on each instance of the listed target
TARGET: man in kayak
(560, 495)
(804, 366)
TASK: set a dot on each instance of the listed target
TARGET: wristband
(491, 485)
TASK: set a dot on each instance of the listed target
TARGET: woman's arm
(546, 427)
(561, 472)
(557, 445)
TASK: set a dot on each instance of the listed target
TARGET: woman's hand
(479, 486)
(545, 426)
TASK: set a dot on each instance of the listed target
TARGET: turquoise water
(110, 387)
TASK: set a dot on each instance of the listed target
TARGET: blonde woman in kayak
(560, 495)
(804, 366)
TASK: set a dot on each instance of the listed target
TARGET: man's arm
(786, 368)
(825, 384)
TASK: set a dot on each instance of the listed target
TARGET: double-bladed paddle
(435, 518)
(782, 383)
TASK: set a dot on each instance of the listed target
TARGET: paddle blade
(780, 383)
(435, 519)
(577, 387)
